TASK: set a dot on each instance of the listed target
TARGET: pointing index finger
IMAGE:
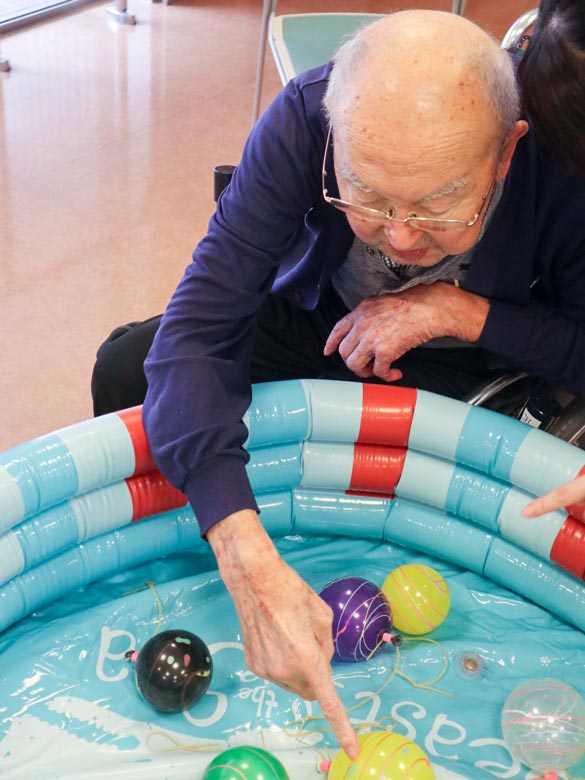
(334, 711)
(565, 495)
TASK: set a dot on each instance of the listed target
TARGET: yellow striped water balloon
(418, 596)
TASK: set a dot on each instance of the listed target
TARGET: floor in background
(108, 138)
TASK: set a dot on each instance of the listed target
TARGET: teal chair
(302, 41)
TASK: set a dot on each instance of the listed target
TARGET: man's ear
(519, 129)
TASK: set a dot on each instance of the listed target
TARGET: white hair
(494, 71)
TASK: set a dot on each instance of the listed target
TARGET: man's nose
(401, 235)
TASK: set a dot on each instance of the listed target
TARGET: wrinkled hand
(285, 625)
(570, 495)
(380, 330)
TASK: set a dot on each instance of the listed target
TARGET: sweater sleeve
(543, 333)
(540, 340)
(198, 367)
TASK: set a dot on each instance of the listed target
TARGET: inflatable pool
(98, 553)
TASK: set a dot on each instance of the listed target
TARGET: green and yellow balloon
(384, 755)
(245, 763)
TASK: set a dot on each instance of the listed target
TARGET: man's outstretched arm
(286, 627)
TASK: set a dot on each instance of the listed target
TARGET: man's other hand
(380, 330)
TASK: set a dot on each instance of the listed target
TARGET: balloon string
(377, 647)
(428, 685)
(152, 586)
(205, 747)
(301, 735)
(390, 677)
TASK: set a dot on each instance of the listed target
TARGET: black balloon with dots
(173, 670)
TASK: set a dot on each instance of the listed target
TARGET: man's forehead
(441, 187)
(388, 171)
(415, 103)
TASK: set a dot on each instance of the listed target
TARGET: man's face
(440, 186)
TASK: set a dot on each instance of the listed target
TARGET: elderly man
(391, 218)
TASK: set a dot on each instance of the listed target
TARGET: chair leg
(4, 63)
(118, 12)
(458, 7)
(268, 8)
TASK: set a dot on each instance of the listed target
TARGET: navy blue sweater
(272, 230)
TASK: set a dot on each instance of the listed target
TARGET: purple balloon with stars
(361, 615)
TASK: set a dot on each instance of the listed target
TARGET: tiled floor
(108, 137)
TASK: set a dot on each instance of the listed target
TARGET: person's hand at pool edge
(286, 626)
(571, 495)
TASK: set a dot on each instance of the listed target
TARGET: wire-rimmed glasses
(428, 224)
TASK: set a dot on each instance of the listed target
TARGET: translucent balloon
(245, 763)
(361, 616)
(383, 755)
(543, 724)
(173, 670)
(419, 598)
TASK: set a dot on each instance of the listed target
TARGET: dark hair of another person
(552, 80)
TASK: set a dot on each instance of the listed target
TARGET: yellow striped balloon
(418, 596)
(383, 756)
